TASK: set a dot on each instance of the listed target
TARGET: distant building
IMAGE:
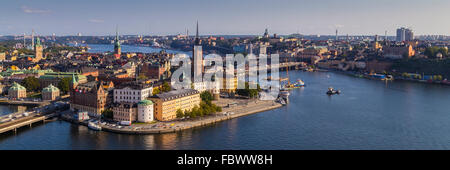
(89, 97)
(2, 56)
(38, 49)
(167, 104)
(404, 34)
(55, 77)
(398, 52)
(153, 70)
(50, 93)
(117, 47)
(16, 91)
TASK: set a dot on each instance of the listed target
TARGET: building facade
(124, 112)
(145, 111)
(89, 97)
(132, 92)
(167, 104)
(50, 93)
(16, 91)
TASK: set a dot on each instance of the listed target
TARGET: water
(102, 48)
(368, 114)
(7, 109)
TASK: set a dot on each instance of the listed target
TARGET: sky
(223, 17)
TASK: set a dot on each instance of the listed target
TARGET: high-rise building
(197, 68)
(404, 34)
(266, 33)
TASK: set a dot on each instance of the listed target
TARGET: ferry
(331, 91)
(94, 126)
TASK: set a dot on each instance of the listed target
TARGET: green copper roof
(145, 102)
(17, 87)
(50, 88)
(38, 42)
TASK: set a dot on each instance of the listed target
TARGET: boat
(331, 91)
(299, 83)
(94, 126)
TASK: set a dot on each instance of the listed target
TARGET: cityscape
(190, 88)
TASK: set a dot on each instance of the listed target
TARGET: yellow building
(227, 83)
(167, 104)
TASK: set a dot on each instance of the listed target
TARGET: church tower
(117, 48)
(197, 67)
(38, 50)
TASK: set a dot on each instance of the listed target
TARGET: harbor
(312, 120)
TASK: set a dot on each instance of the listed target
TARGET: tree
(206, 96)
(252, 93)
(31, 83)
(166, 87)
(180, 113)
(142, 77)
(64, 84)
(107, 113)
(156, 91)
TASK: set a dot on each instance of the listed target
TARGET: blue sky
(163, 17)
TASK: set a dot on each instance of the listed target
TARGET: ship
(94, 126)
(331, 91)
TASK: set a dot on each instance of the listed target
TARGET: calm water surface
(368, 114)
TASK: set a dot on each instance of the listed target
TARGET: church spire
(197, 38)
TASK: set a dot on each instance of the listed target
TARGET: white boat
(94, 126)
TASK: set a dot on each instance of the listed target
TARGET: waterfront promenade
(245, 107)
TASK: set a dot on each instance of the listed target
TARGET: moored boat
(94, 126)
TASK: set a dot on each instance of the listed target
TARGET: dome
(17, 87)
(50, 88)
(145, 102)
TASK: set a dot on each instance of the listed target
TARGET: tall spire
(196, 35)
(117, 32)
(197, 38)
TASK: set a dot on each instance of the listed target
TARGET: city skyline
(250, 17)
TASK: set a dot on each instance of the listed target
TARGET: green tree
(31, 83)
(156, 91)
(142, 77)
(206, 96)
(64, 84)
(180, 113)
(107, 113)
(166, 87)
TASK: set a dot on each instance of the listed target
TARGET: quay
(251, 107)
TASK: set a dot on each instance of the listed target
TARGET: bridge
(24, 121)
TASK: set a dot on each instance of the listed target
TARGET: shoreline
(176, 126)
(395, 78)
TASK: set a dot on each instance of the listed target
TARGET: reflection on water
(368, 114)
(7, 109)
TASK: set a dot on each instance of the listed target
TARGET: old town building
(16, 91)
(89, 97)
(50, 93)
(167, 104)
